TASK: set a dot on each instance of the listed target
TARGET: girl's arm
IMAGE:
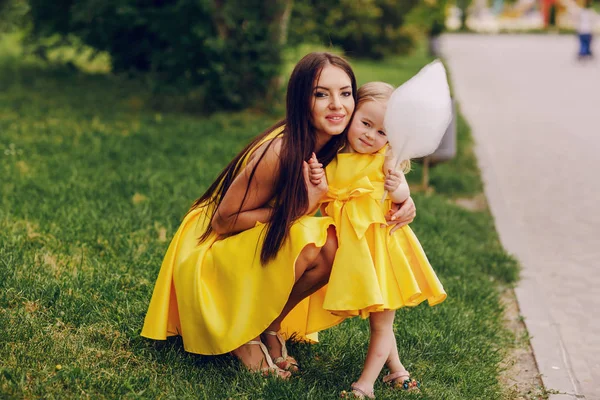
(316, 177)
(395, 183)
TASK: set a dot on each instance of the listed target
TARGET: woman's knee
(318, 260)
(306, 259)
(327, 254)
(330, 247)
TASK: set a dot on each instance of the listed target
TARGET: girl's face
(367, 134)
(332, 104)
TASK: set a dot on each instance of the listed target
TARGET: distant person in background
(433, 35)
(585, 24)
(552, 17)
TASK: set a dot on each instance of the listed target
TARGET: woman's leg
(381, 342)
(313, 268)
(254, 359)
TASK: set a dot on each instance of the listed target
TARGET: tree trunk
(219, 21)
(282, 21)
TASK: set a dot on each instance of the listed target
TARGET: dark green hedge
(226, 52)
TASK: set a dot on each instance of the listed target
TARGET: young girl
(374, 273)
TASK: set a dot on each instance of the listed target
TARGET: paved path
(535, 115)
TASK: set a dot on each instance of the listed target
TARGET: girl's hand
(393, 179)
(316, 172)
(318, 190)
(401, 214)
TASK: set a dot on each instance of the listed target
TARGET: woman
(248, 253)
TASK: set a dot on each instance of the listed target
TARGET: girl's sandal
(395, 380)
(285, 362)
(356, 393)
(271, 369)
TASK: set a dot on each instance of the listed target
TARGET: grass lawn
(93, 184)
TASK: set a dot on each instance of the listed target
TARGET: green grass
(93, 185)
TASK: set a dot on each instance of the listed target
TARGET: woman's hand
(401, 214)
(316, 181)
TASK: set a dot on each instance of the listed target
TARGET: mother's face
(332, 101)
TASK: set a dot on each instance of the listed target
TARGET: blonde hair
(381, 93)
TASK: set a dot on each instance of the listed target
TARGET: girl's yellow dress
(218, 296)
(373, 270)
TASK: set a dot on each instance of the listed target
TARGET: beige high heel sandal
(271, 369)
(285, 362)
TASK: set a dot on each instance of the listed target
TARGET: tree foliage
(13, 14)
(227, 51)
(429, 16)
(363, 28)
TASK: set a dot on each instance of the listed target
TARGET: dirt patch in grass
(475, 203)
(520, 373)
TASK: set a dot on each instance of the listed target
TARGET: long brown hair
(298, 143)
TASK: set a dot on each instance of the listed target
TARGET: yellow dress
(373, 270)
(218, 296)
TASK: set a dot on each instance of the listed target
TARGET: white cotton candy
(418, 113)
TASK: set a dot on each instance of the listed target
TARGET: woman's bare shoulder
(271, 150)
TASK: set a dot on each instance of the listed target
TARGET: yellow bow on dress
(358, 212)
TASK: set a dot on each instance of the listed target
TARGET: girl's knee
(382, 321)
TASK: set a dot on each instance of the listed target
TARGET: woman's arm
(246, 201)
(401, 214)
(236, 214)
(245, 220)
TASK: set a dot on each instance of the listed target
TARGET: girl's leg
(381, 342)
(313, 268)
(393, 362)
(398, 374)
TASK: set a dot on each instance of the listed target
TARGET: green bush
(12, 14)
(429, 17)
(363, 28)
(224, 53)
